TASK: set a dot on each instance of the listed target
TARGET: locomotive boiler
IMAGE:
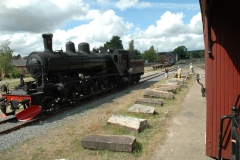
(67, 77)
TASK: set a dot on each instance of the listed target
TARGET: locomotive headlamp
(34, 66)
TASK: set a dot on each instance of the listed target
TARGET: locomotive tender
(66, 77)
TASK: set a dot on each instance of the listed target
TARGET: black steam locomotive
(66, 77)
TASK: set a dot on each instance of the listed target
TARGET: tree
(131, 47)
(137, 54)
(134, 51)
(181, 51)
(17, 57)
(5, 57)
(149, 55)
(201, 54)
(160, 58)
(25, 57)
(196, 54)
(115, 42)
(151, 49)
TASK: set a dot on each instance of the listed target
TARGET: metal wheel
(89, 88)
(73, 93)
(137, 79)
(48, 105)
(100, 85)
(110, 83)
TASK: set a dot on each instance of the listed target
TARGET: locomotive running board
(28, 113)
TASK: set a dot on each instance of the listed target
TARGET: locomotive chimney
(47, 41)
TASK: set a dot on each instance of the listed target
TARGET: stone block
(121, 143)
(172, 83)
(169, 88)
(129, 123)
(158, 94)
(149, 101)
(179, 81)
(168, 85)
(139, 108)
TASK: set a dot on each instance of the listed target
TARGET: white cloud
(196, 24)
(36, 17)
(96, 33)
(124, 4)
(169, 6)
(170, 32)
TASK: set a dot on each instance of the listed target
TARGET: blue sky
(164, 24)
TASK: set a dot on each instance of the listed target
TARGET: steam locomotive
(67, 77)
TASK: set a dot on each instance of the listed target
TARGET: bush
(15, 73)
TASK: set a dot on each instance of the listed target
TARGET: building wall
(22, 69)
(222, 68)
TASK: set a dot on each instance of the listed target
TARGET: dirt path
(185, 138)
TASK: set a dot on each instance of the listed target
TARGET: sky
(163, 24)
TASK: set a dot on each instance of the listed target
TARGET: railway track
(12, 124)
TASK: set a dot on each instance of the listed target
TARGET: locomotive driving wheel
(48, 105)
(137, 79)
(100, 85)
(110, 83)
(89, 88)
(73, 93)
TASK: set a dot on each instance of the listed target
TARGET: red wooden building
(221, 29)
(21, 65)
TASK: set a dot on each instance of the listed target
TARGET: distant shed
(221, 29)
(20, 64)
(170, 57)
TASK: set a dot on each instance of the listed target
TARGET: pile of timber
(156, 66)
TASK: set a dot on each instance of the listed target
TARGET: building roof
(169, 54)
(19, 63)
(172, 53)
